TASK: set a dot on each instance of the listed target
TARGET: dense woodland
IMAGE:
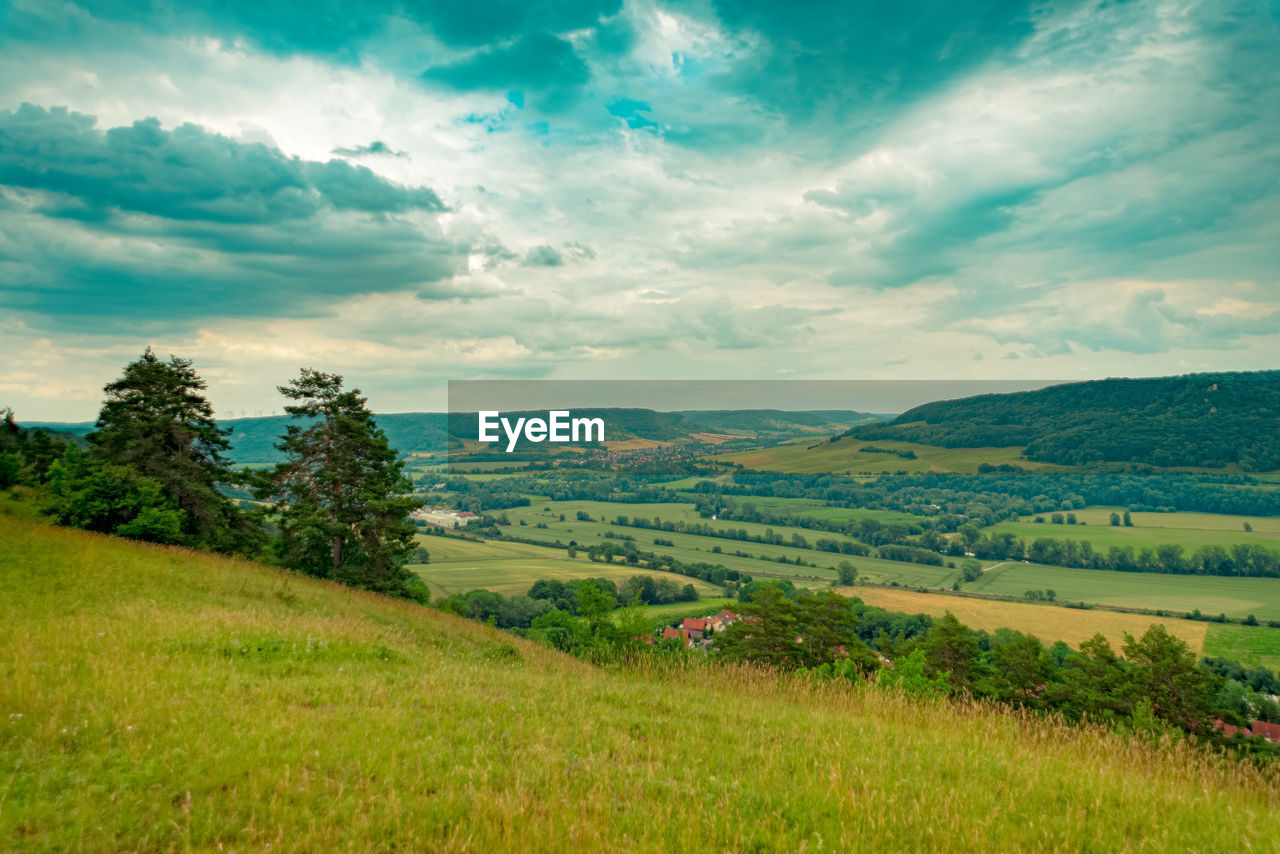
(1209, 420)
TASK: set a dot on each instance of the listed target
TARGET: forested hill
(253, 440)
(1207, 420)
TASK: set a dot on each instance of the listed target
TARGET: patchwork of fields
(458, 566)
(758, 559)
(846, 455)
(509, 568)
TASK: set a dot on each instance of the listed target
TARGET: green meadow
(1247, 644)
(158, 699)
(1189, 530)
(1212, 595)
(457, 566)
(817, 509)
(693, 548)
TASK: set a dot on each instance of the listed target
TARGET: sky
(409, 192)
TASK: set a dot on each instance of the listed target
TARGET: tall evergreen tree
(342, 495)
(10, 450)
(156, 427)
(767, 634)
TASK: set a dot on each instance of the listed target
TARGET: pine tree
(11, 458)
(342, 495)
(767, 634)
(156, 440)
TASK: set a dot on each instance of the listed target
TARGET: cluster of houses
(1271, 732)
(443, 517)
(697, 631)
(651, 455)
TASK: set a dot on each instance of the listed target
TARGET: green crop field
(1189, 530)
(1269, 525)
(1247, 644)
(1212, 595)
(693, 548)
(818, 509)
(846, 455)
(510, 568)
(158, 699)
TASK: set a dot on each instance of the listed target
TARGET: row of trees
(993, 497)
(155, 468)
(1242, 559)
(26, 455)
(1153, 682)
(577, 617)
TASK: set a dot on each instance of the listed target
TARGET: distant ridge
(1197, 420)
(253, 439)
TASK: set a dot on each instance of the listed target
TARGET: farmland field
(846, 455)
(1235, 597)
(510, 568)
(1189, 530)
(1185, 520)
(693, 548)
(819, 509)
(1047, 622)
(1247, 644)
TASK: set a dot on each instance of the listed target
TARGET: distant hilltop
(253, 439)
(1196, 420)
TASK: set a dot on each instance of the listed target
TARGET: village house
(678, 634)
(1271, 732)
(698, 631)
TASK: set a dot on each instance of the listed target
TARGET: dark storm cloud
(140, 221)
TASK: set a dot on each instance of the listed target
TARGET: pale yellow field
(1050, 623)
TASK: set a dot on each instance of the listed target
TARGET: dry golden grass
(1048, 622)
(156, 699)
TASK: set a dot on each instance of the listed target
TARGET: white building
(443, 517)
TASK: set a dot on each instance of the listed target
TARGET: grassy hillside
(1209, 420)
(156, 699)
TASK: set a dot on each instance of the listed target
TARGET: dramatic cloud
(1055, 189)
(139, 222)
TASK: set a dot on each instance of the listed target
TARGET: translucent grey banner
(496, 425)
